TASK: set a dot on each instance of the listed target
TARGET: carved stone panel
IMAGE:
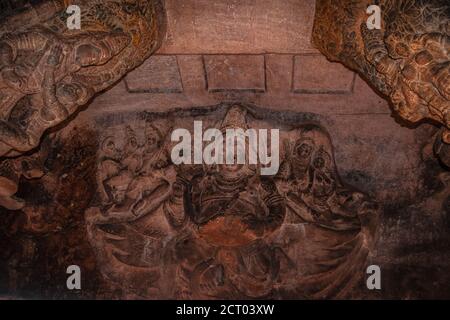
(98, 183)
(48, 71)
(407, 59)
(161, 230)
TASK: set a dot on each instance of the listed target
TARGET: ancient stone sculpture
(317, 200)
(406, 60)
(224, 231)
(47, 72)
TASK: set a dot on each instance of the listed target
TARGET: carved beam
(407, 59)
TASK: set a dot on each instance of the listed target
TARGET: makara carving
(161, 230)
(47, 72)
(406, 60)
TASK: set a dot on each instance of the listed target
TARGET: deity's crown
(236, 118)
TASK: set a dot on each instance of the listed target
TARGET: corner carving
(48, 72)
(407, 59)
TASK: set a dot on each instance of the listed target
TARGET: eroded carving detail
(194, 231)
(407, 60)
(47, 72)
(47, 232)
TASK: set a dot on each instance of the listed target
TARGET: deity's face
(152, 139)
(235, 169)
(311, 159)
(109, 148)
(231, 170)
(301, 156)
(117, 187)
(131, 145)
(323, 183)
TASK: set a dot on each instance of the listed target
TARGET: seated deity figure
(130, 222)
(122, 169)
(131, 210)
(231, 211)
(109, 164)
(143, 161)
(337, 222)
(154, 151)
(132, 159)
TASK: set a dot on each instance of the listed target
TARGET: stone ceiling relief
(102, 192)
(48, 71)
(407, 59)
(198, 232)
